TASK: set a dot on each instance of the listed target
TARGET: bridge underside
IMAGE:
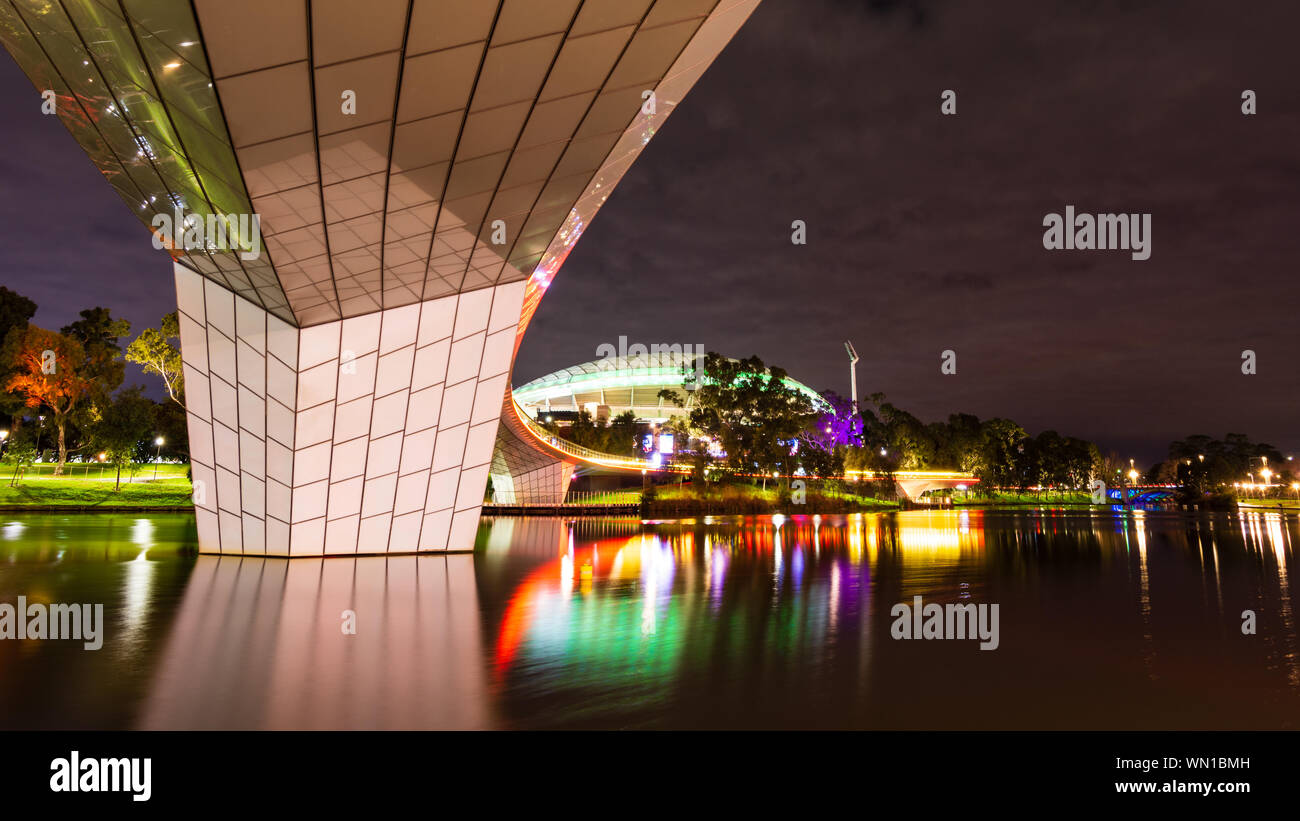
(387, 189)
(914, 488)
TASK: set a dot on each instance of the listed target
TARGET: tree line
(63, 394)
(744, 418)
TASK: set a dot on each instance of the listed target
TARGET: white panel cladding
(346, 437)
(225, 402)
(394, 371)
(466, 356)
(352, 419)
(437, 318)
(360, 336)
(221, 354)
(423, 408)
(430, 364)
(189, 294)
(220, 306)
(282, 341)
(472, 313)
(497, 350)
(506, 305)
(457, 404)
(400, 328)
(251, 365)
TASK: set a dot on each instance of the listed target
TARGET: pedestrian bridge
(533, 466)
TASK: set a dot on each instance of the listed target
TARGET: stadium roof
(614, 381)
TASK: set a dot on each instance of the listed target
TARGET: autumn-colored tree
(48, 373)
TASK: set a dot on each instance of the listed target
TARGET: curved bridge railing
(588, 455)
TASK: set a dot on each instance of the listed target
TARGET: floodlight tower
(853, 373)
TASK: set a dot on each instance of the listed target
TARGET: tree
(839, 426)
(750, 410)
(16, 312)
(817, 460)
(153, 349)
(1207, 462)
(49, 371)
(1110, 469)
(957, 442)
(98, 334)
(169, 421)
(20, 451)
(1002, 443)
(620, 435)
(584, 431)
(906, 441)
(122, 424)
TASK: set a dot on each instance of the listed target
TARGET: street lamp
(157, 456)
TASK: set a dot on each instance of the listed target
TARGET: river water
(1111, 619)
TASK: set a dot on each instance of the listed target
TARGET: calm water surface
(1108, 620)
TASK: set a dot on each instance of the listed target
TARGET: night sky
(924, 231)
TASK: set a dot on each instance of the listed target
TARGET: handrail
(587, 454)
(954, 475)
(574, 498)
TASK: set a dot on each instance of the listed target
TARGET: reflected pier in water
(260, 643)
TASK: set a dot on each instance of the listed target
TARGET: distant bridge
(1142, 494)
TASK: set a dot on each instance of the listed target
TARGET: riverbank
(97, 495)
(725, 500)
(999, 498)
(1270, 504)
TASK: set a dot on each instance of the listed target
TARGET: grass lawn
(77, 489)
(1028, 497)
(95, 470)
(1274, 504)
(740, 497)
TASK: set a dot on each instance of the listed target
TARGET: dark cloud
(925, 232)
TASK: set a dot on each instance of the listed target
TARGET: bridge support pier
(522, 475)
(371, 434)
